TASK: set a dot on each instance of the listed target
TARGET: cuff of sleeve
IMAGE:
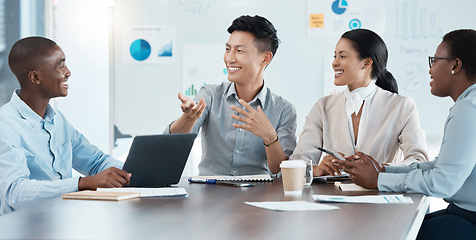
(115, 163)
(70, 185)
(391, 182)
(397, 169)
(167, 130)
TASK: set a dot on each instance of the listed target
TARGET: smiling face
(52, 74)
(245, 64)
(348, 67)
(440, 72)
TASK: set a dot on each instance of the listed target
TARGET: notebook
(94, 195)
(244, 178)
(149, 192)
(158, 160)
(352, 187)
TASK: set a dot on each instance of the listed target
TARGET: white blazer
(392, 132)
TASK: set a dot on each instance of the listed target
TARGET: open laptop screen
(158, 160)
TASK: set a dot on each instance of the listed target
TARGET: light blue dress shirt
(37, 155)
(227, 150)
(452, 175)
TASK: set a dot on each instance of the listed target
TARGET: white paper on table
(150, 192)
(292, 206)
(352, 187)
(379, 199)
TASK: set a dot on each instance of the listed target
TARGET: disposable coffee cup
(294, 172)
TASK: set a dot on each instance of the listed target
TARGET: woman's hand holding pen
(327, 167)
(363, 171)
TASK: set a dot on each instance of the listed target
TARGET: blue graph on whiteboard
(166, 50)
(339, 6)
(140, 50)
(355, 24)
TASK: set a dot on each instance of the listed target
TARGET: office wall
(145, 93)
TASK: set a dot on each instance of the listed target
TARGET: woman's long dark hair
(369, 44)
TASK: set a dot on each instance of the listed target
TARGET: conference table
(215, 212)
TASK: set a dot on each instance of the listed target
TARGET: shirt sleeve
(446, 175)
(425, 166)
(412, 137)
(87, 158)
(202, 93)
(287, 130)
(311, 136)
(16, 187)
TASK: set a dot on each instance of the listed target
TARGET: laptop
(158, 160)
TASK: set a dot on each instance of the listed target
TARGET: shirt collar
(261, 96)
(27, 113)
(355, 98)
(466, 92)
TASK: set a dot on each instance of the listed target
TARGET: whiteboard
(145, 93)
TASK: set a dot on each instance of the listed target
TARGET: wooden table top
(212, 212)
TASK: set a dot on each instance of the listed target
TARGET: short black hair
(26, 53)
(266, 37)
(462, 45)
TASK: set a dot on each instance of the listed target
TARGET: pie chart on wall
(140, 49)
(339, 6)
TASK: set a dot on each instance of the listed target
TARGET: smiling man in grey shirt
(246, 129)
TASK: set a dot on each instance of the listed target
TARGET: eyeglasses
(431, 60)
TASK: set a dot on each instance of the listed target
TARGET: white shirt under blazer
(390, 130)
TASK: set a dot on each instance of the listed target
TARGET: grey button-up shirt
(231, 151)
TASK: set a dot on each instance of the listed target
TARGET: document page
(291, 206)
(353, 187)
(379, 199)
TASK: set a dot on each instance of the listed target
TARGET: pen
(330, 153)
(207, 181)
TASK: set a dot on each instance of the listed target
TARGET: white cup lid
(293, 164)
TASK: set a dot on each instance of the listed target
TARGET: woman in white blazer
(451, 175)
(369, 115)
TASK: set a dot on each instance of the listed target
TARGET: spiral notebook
(244, 178)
